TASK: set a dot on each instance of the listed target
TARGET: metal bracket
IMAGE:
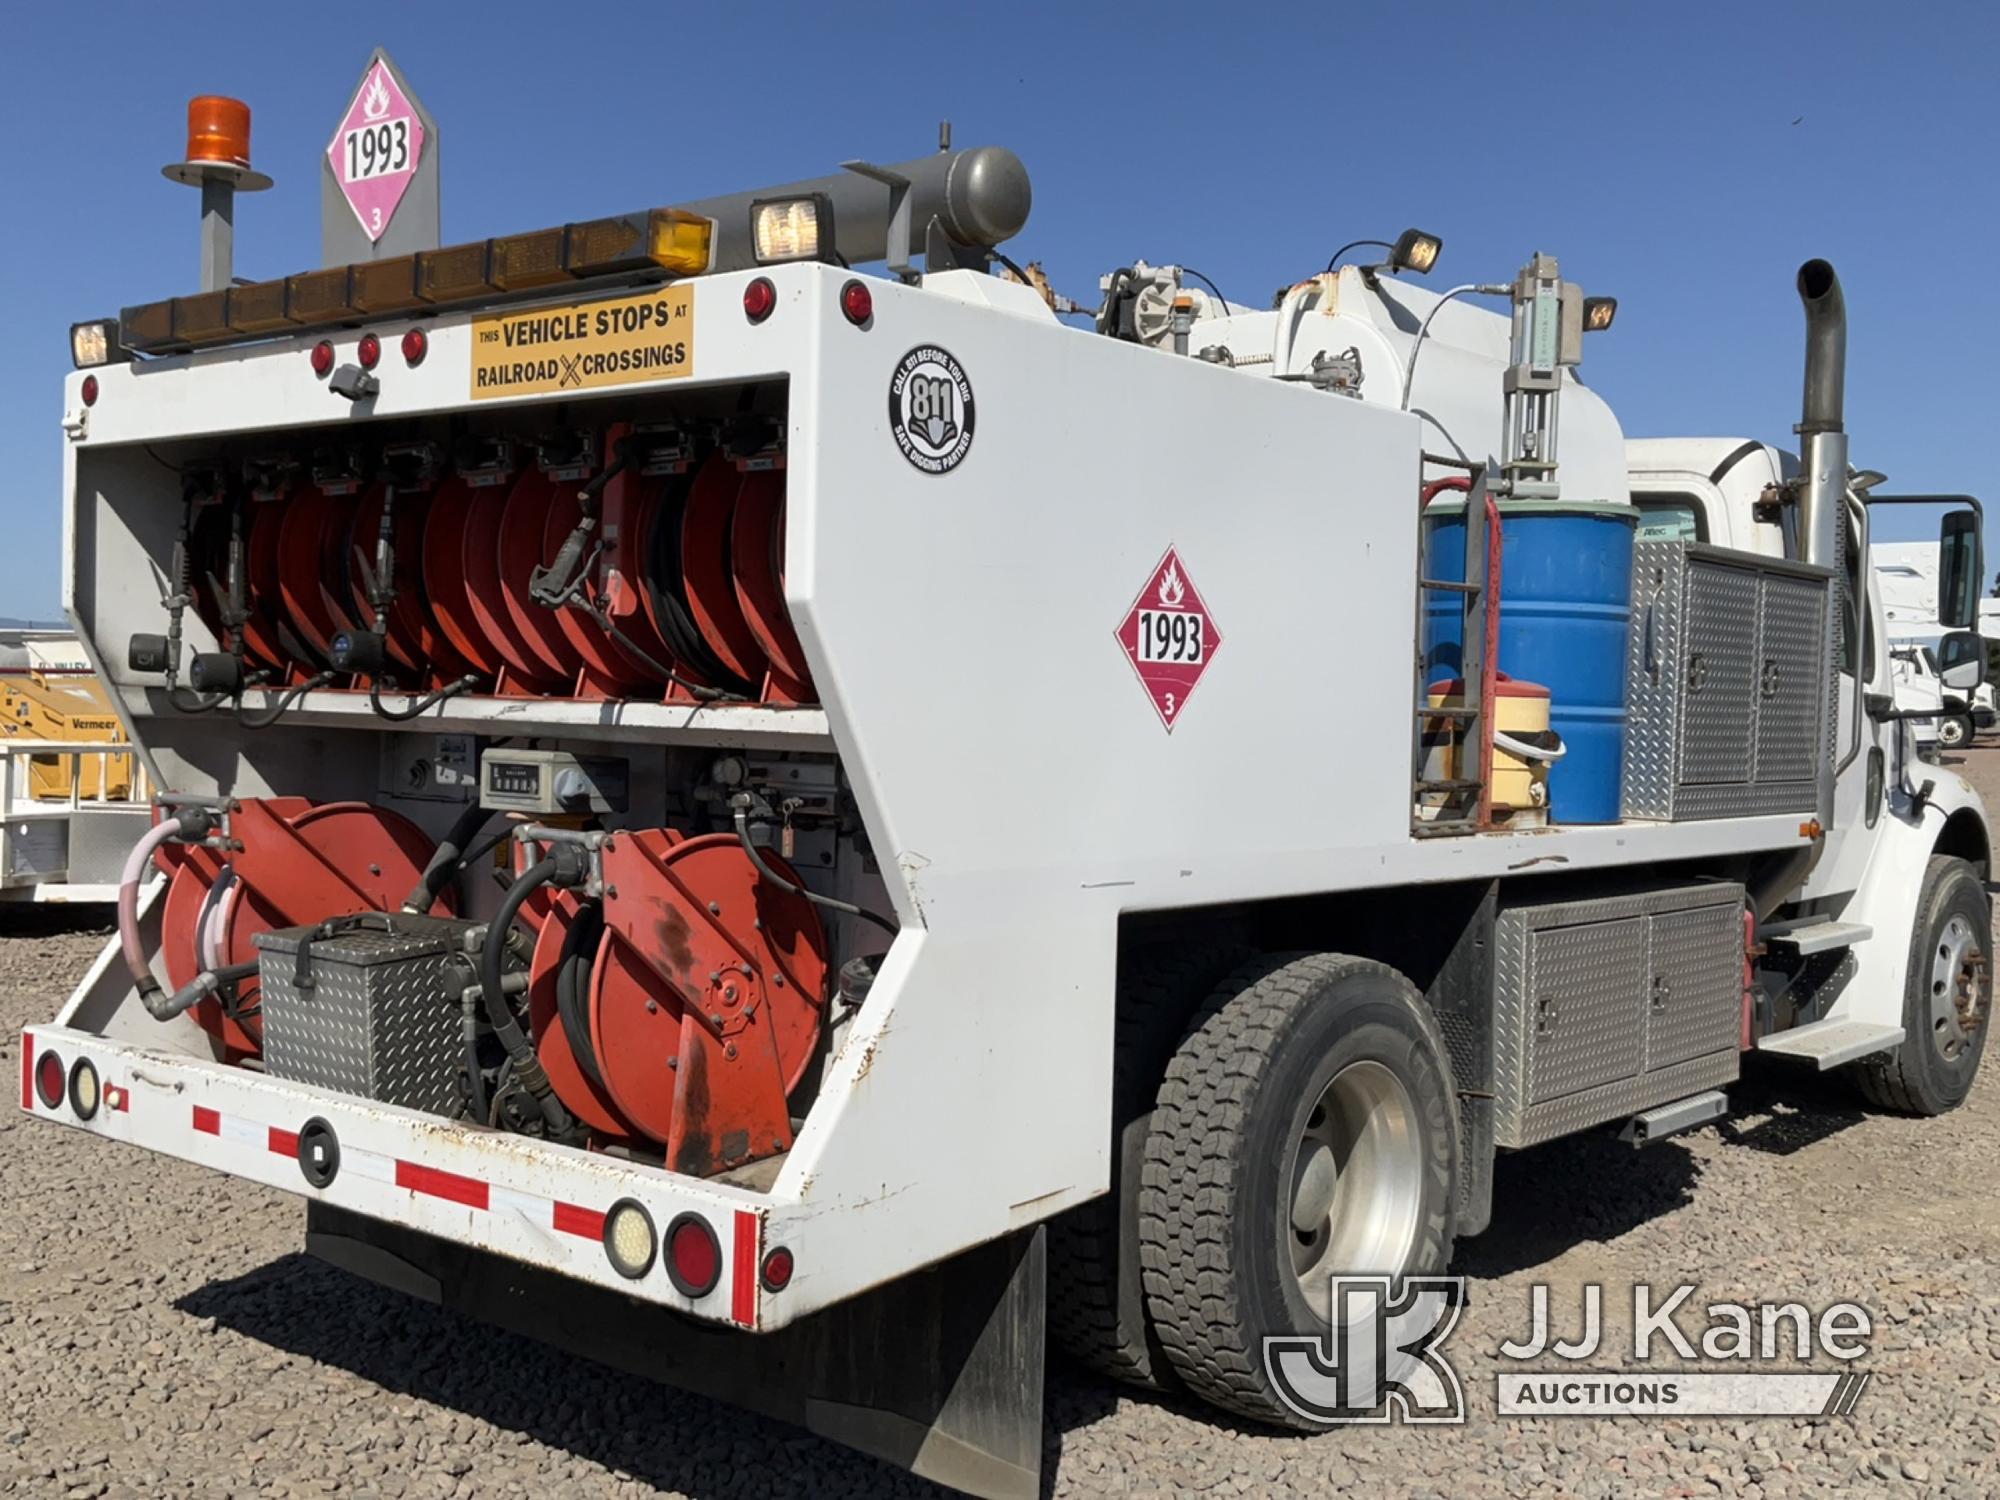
(899, 214)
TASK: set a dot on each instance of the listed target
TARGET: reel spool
(686, 1008)
(299, 864)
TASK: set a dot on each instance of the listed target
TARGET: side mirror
(1960, 570)
(1961, 659)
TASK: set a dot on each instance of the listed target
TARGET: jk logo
(1379, 1355)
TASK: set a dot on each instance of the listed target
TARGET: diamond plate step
(1816, 935)
(1831, 1043)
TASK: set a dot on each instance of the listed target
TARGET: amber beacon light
(217, 162)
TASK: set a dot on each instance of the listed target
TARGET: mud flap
(939, 1373)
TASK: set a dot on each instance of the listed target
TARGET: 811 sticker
(1169, 637)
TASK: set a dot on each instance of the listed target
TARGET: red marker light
(777, 1272)
(759, 299)
(322, 358)
(416, 344)
(857, 302)
(90, 390)
(368, 351)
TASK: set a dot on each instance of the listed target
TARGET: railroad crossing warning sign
(382, 165)
(1169, 637)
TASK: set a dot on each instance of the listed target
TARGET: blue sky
(1684, 157)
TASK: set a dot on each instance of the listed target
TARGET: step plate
(1831, 1043)
(1818, 937)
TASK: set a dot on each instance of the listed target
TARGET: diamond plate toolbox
(1725, 682)
(1607, 1006)
(366, 1006)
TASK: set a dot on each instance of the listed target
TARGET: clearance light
(760, 298)
(1415, 251)
(524, 260)
(260, 307)
(322, 358)
(95, 343)
(777, 1271)
(90, 390)
(51, 1081)
(368, 351)
(1598, 313)
(857, 302)
(454, 273)
(84, 1093)
(791, 228)
(629, 1240)
(386, 285)
(694, 1256)
(416, 344)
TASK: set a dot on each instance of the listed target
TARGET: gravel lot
(160, 1333)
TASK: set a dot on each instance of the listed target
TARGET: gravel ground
(161, 1335)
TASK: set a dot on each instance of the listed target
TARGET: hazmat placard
(585, 347)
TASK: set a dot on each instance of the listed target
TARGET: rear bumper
(541, 1204)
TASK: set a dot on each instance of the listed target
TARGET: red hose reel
(685, 1008)
(682, 598)
(298, 863)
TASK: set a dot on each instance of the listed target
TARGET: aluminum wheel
(1958, 988)
(1356, 1182)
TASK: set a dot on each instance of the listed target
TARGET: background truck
(795, 830)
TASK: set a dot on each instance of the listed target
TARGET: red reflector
(778, 1268)
(50, 1079)
(207, 1121)
(585, 1223)
(27, 1071)
(368, 351)
(467, 1190)
(416, 344)
(694, 1256)
(90, 390)
(284, 1143)
(857, 302)
(759, 298)
(322, 357)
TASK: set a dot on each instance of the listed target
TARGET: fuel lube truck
(801, 831)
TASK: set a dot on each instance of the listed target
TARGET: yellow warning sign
(586, 347)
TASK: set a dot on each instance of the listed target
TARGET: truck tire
(1096, 1305)
(1954, 731)
(1947, 998)
(1312, 1088)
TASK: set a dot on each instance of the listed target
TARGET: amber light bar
(666, 239)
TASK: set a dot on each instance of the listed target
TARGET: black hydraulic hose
(492, 971)
(271, 715)
(756, 859)
(429, 701)
(444, 862)
(659, 669)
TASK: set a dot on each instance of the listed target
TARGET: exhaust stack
(1822, 495)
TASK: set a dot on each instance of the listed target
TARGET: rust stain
(672, 933)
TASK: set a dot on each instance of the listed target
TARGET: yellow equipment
(1523, 748)
(40, 705)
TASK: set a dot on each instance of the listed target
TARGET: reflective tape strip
(585, 1223)
(27, 1071)
(207, 1121)
(369, 1164)
(283, 1142)
(743, 1251)
(244, 1132)
(441, 1184)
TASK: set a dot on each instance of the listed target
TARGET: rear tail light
(322, 357)
(51, 1080)
(857, 302)
(416, 344)
(694, 1256)
(759, 298)
(629, 1240)
(90, 390)
(368, 351)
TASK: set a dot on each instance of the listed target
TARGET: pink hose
(136, 962)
